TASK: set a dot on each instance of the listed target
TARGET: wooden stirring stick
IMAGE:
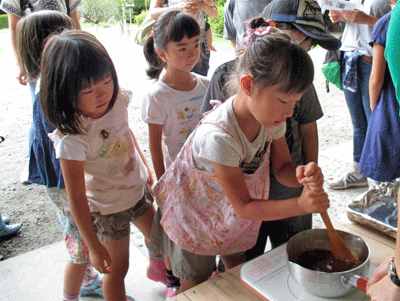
(339, 249)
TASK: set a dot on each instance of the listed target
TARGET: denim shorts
(112, 227)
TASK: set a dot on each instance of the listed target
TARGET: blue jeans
(359, 108)
(32, 88)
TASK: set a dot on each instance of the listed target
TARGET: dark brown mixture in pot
(324, 261)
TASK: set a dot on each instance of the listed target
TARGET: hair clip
(152, 32)
(251, 34)
(263, 30)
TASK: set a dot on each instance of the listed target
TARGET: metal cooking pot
(321, 283)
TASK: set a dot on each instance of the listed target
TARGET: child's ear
(271, 23)
(246, 84)
(162, 55)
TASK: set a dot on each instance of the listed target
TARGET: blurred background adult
(18, 9)
(384, 284)
(236, 15)
(357, 63)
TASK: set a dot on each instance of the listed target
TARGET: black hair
(72, 61)
(32, 33)
(274, 59)
(171, 26)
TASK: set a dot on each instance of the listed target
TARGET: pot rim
(345, 273)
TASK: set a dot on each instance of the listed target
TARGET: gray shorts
(115, 226)
(185, 265)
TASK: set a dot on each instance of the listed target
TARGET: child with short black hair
(80, 278)
(106, 175)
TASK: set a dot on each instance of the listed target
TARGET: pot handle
(356, 281)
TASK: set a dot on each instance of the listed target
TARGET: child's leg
(191, 268)
(209, 38)
(114, 283)
(73, 277)
(230, 261)
(144, 224)
(156, 269)
(78, 266)
(187, 284)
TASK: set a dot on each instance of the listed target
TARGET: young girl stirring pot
(214, 196)
(105, 173)
(172, 106)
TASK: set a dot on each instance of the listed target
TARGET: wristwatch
(392, 273)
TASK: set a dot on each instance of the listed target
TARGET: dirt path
(30, 205)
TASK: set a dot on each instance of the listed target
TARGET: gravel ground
(28, 204)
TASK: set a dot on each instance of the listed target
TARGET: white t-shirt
(14, 6)
(356, 36)
(177, 111)
(211, 143)
(114, 172)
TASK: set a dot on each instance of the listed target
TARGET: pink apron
(196, 214)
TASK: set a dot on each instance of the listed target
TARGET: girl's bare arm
(282, 163)
(234, 186)
(157, 8)
(74, 179)
(150, 179)
(12, 24)
(377, 74)
(155, 137)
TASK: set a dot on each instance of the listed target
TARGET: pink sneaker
(214, 275)
(156, 270)
(171, 292)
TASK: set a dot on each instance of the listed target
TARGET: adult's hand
(358, 16)
(384, 290)
(335, 16)
(380, 287)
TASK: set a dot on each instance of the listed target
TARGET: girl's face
(182, 55)
(93, 101)
(270, 107)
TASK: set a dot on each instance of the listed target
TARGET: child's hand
(310, 175)
(100, 259)
(313, 200)
(150, 179)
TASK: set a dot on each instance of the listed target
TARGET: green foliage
(139, 18)
(217, 25)
(3, 21)
(95, 11)
(140, 7)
